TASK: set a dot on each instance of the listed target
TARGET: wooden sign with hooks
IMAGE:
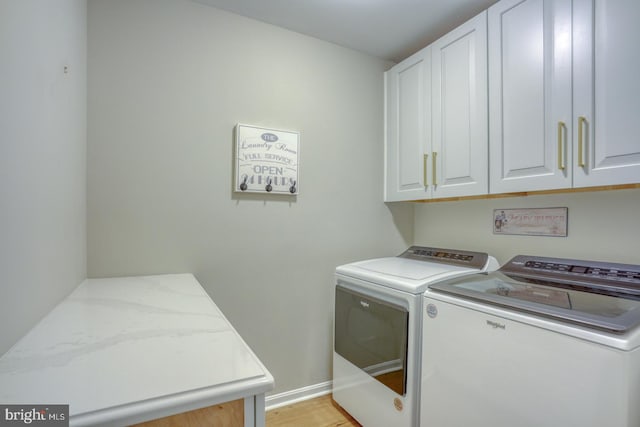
(266, 160)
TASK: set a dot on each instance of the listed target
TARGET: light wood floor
(319, 412)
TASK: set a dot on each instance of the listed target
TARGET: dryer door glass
(372, 334)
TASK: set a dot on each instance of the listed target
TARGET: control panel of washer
(625, 277)
(605, 270)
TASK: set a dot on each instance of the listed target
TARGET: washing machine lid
(596, 295)
(417, 267)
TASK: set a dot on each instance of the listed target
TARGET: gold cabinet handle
(561, 127)
(581, 122)
(434, 176)
(424, 170)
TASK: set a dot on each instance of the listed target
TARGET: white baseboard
(298, 395)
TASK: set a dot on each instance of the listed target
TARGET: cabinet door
(460, 148)
(529, 94)
(408, 128)
(606, 92)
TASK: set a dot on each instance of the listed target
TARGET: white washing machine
(378, 321)
(541, 342)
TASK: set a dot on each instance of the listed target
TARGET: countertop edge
(151, 409)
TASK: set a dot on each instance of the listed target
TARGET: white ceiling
(388, 29)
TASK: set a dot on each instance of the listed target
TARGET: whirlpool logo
(496, 325)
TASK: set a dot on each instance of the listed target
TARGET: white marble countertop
(125, 350)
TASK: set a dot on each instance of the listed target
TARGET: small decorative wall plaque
(531, 222)
(266, 160)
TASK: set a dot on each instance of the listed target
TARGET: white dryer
(540, 342)
(378, 322)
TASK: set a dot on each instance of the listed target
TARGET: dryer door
(372, 334)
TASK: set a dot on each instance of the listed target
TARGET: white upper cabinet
(529, 95)
(564, 95)
(606, 87)
(436, 118)
(459, 151)
(408, 128)
(563, 102)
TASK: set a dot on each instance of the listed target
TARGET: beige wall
(168, 81)
(42, 159)
(602, 226)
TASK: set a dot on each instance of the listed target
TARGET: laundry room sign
(266, 160)
(531, 222)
